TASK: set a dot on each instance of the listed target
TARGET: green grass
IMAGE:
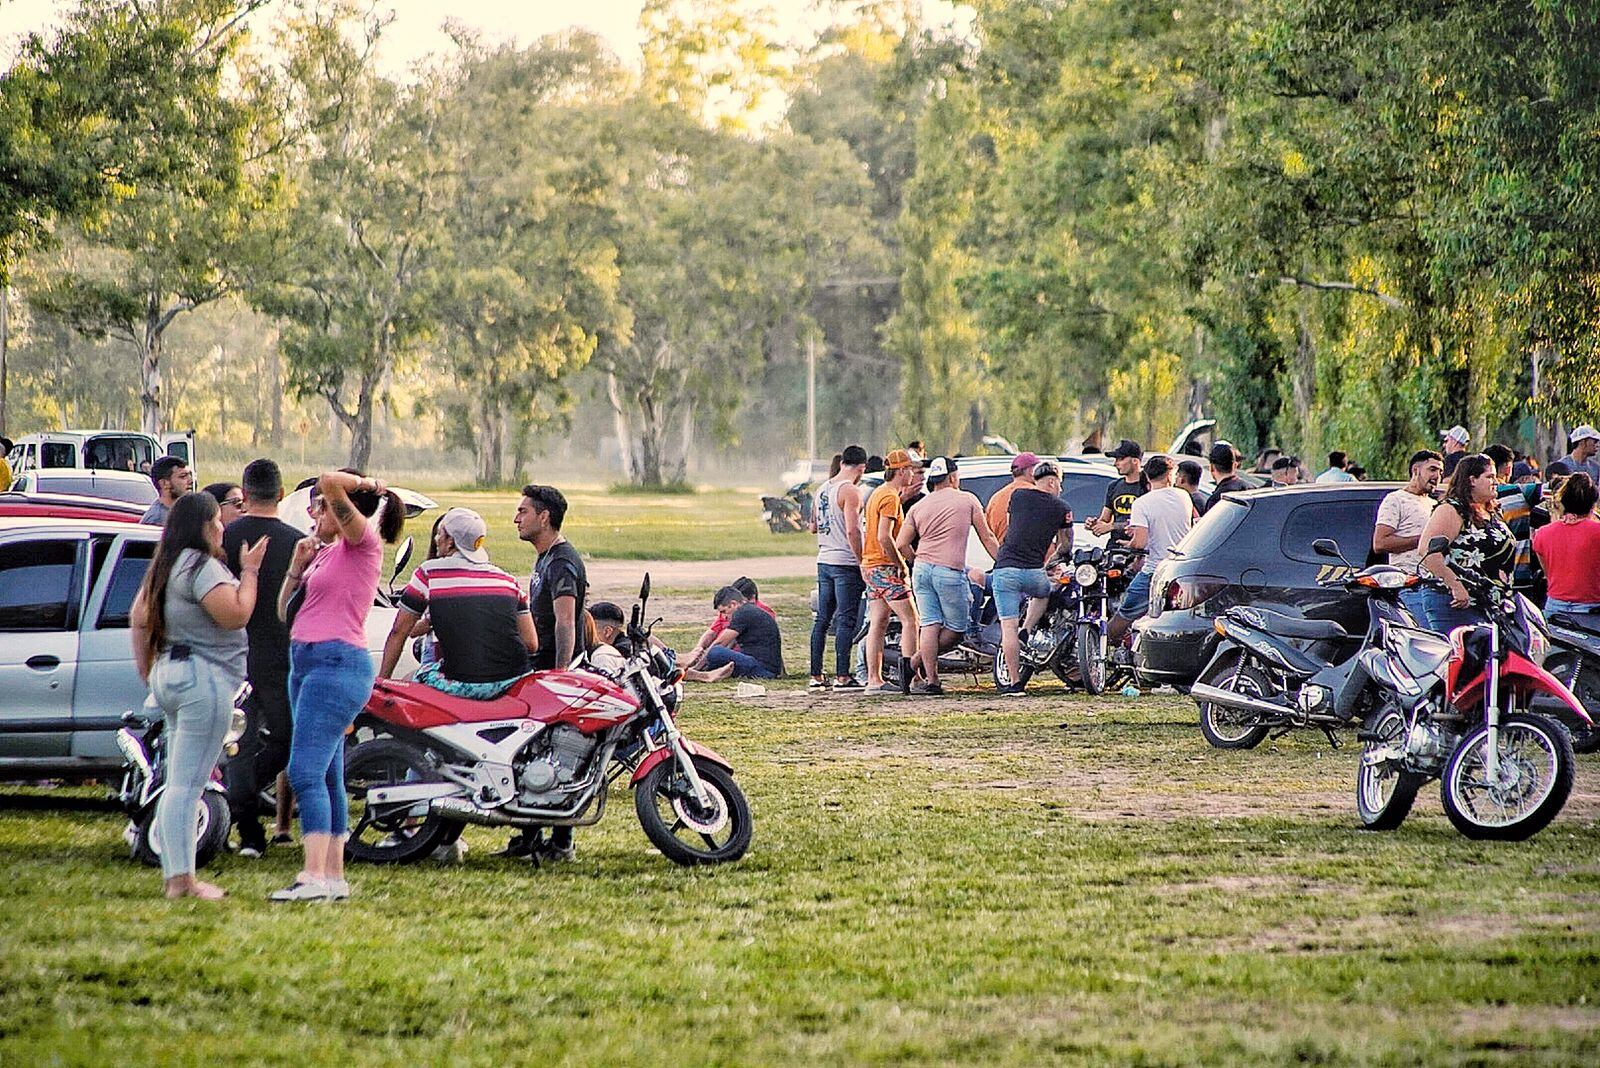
(706, 525)
(953, 881)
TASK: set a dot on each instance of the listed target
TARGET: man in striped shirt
(478, 615)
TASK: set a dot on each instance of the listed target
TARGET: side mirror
(1327, 547)
(644, 589)
(402, 557)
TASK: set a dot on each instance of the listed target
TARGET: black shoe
(520, 846)
(252, 841)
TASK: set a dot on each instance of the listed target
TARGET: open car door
(181, 446)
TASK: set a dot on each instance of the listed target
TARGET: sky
(415, 31)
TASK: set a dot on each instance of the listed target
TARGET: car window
(58, 454)
(1084, 494)
(119, 453)
(126, 578)
(1213, 529)
(984, 486)
(37, 587)
(1348, 521)
(129, 490)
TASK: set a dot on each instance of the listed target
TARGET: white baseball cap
(939, 470)
(468, 530)
(1457, 434)
(1585, 433)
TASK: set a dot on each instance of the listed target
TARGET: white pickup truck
(97, 450)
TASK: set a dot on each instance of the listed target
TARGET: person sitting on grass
(479, 615)
(697, 655)
(750, 646)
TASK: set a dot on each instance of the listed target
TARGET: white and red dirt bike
(545, 754)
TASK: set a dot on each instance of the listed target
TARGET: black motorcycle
(973, 655)
(791, 513)
(1273, 672)
(1102, 575)
(1051, 642)
(1574, 658)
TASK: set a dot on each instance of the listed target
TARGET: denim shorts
(1012, 584)
(1136, 601)
(944, 596)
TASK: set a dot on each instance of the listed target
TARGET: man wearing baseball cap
(996, 512)
(1454, 446)
(888, 585)
(477, 612)
(1585, 443)
(1121, 494)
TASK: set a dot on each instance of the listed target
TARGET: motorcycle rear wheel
(665, 807)
(1539, 753)
(1002, 673)
(1586, 688)
(402, 834)
(1384, 795)
(1227, 728)
(1091, 665)
(211, 832)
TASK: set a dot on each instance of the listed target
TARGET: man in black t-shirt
(749, 646)
(1222, 472)
(264, 747)
(1037, 520)
(1120, 495)
(557, 590)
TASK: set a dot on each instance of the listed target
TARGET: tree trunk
(491, 437)
(275, 395)
(361, 425)
(150, 367)
(5, 342)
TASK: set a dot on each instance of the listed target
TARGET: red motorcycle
(1458, 709)
(544, 754)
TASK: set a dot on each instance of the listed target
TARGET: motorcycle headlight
(1086, 574)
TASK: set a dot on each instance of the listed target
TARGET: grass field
(708, 525)
(949, 881)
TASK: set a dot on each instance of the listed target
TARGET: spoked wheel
(1531, 784)
(1002, 673)
(1091, 658)
(685, 832)
(1384, 791)
(1233, 728)
(391, 834)
(210, 835)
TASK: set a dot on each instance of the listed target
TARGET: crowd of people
(235, 594)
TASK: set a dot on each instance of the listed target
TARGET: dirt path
(698, 572)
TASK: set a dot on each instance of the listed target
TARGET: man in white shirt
(1337, 462)
(1403, 516)
(1159, 521)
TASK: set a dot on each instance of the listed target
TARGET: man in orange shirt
(884, 571)
(998, 511)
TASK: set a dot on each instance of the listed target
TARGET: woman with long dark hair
(1569, 549)
(189, 645)
(1480, 545)
(330, 670)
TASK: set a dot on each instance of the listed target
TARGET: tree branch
(1341, 287)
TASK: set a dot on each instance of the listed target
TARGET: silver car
(66, 659)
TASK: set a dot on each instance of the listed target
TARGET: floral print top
(1485, 548)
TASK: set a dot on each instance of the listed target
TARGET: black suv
(1254, 547)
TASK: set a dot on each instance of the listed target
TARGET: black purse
(291, 607)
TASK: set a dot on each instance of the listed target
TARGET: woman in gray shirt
(189, 644)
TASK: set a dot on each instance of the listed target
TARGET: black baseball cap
(1127, 449)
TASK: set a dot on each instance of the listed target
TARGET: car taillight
(1190, 591)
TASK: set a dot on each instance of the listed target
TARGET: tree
(352, 280)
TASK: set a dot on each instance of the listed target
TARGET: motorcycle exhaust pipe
(1228, 699)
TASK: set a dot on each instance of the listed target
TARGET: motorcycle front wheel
(1231, 728)
(684, 832)
(210, 837)
(395, 834)
(1533, 781)
(1384, 794)
(1091, 665)
(1002, 673)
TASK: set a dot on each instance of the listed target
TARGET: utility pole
(811, 397)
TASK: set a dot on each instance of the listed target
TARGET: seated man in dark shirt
(748, 646)
(479, 615)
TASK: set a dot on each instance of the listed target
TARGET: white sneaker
(309, 890)
(338, 890)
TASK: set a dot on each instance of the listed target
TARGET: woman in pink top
(330, 671)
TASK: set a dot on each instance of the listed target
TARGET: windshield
(119, 452)
(1213, 529)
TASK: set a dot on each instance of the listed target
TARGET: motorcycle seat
(1588, 622)
(460, 709)
(1284, 626)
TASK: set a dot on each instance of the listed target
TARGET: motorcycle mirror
(402, 557)
(644, 588)
(1326, 547)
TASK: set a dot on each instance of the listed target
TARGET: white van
(98, 450)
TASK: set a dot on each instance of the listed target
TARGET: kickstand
(1332, 740)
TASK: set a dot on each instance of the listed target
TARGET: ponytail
(389, 510)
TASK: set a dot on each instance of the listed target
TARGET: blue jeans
(1136, 599)
(329, 683)
(1552, 605)
(944, 597)
(839, 589)
(1012, 584)
(1413, 601)
(745, 666)
(1444, 617)
(196, 697)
